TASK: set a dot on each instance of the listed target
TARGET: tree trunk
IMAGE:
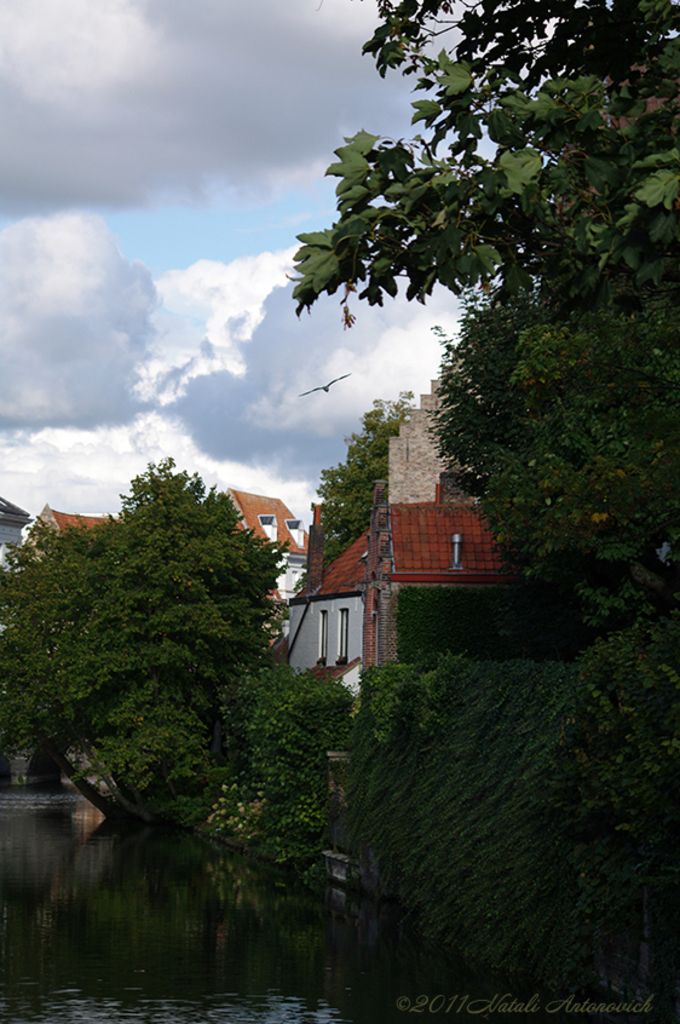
(107, 807)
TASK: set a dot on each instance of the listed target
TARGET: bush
(287, 722)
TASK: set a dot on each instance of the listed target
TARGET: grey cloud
(285, 353)
(75, 324)
(235, 98)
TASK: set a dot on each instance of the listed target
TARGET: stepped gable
(421, 539)
(414, 463)
(345, 573)
(252, 506)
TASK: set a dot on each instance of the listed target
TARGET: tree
(481, 414)
(116, 640)
(577, 459)
(557, 37)
(346, 490)
(578, 191)
(614, 790)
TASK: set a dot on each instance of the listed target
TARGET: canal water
(110, 923)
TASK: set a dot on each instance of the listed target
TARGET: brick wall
(315, 553)
(378, 570)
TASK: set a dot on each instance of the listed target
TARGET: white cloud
(74, 322)
(99, 381)
(389, 350)
(86, 471)
(210, 311)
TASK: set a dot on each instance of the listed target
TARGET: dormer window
(297, 531)
(268, 524)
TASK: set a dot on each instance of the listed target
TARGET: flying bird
(325, 387)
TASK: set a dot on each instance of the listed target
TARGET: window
(297, 531)
(268, 524)
(323, 637)
(343, 637)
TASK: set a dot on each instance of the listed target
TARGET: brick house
(428, 544)
(429, 534)
(271, 520)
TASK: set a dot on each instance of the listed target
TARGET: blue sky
(157, 161)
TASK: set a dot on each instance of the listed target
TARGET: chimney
(315, 553)
(457, 544)
(379, 489)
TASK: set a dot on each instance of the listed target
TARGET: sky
(158, 159)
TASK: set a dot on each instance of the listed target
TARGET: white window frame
(343, 634)
(323, 636)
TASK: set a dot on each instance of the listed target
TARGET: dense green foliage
(578, 195)
(279, 726)
(577, 459)
(448, 782)
(116, 640)
(556, 37)
(481, 418)
(346, 490)
(617, 792)
(499, 623)
(534, 805)
(594, 495)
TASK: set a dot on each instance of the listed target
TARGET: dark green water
(133, 924)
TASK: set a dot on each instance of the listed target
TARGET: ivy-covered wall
(495, 623)
(528, 810)
(447, 786)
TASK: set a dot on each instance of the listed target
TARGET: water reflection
(111, 922)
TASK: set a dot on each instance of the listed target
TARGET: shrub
(287, 722)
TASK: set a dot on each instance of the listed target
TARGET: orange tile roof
(343, 574)
(251, 506)
(64, 519)
(421, 539)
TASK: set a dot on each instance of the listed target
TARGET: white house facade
(12, 521)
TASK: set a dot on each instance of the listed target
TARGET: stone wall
(414, 466)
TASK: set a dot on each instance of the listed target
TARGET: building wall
(305, 652)
(11, 526)
(290, 575)
(414, 466)
(8, 535)
(376, 638)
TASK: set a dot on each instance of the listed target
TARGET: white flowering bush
(234, 816)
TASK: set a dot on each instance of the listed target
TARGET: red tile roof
(421, 539)
(347, 570)
(64, 519)
(251, 506)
